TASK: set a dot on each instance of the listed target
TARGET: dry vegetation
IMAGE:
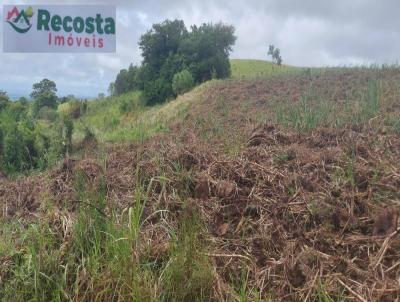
(277, 189)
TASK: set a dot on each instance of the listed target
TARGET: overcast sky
(309, 33)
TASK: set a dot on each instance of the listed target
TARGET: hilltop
(279, 184)
(245, 69)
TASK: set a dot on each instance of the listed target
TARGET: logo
(59, 28)
(20, 20)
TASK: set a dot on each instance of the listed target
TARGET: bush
(47, 113)
(18, 153)
(182, 82)
(130, 103)
(73, 109)
(157, 91)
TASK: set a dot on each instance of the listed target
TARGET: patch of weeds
(349, 172)
(188, 274)
(368, 105)
(304, 115)
(322, 295)
(35, 274)
(243, 291)
(393, 122)
(291, 190)
(371, 103)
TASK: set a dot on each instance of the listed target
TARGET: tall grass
(305, 115)
(100, 255)
(311, 111)
(126, 118)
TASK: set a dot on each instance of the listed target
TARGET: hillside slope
(277, 188)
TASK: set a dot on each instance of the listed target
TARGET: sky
(308, 32)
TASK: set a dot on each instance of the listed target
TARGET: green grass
(100, 255)
(245, 69)
(312, 111)
(126, 118)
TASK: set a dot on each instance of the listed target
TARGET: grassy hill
(256, 188)
(125, 118)
(257, 68)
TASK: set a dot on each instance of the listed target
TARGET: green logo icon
(20, 20)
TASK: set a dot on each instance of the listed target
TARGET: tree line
(175, 58)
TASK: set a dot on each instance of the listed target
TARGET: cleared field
(269, 189)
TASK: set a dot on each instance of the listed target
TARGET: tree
(207, 49)
(4, 100)
(169, 48)
(127, 80)
(111, 89)
(44, 86)
(44, 94)
(159, 48)
(161, 41)
(275, 53)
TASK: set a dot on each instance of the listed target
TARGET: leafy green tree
(182, 82)
(275, 53)
(161, 41)
(44, 94)
(44, 86)
(207, 49)
(127, 80)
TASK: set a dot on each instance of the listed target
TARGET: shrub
(182, 82)
(18, 153)
(47, 113)
(157, 91)
(74, 109)
(130, 103)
